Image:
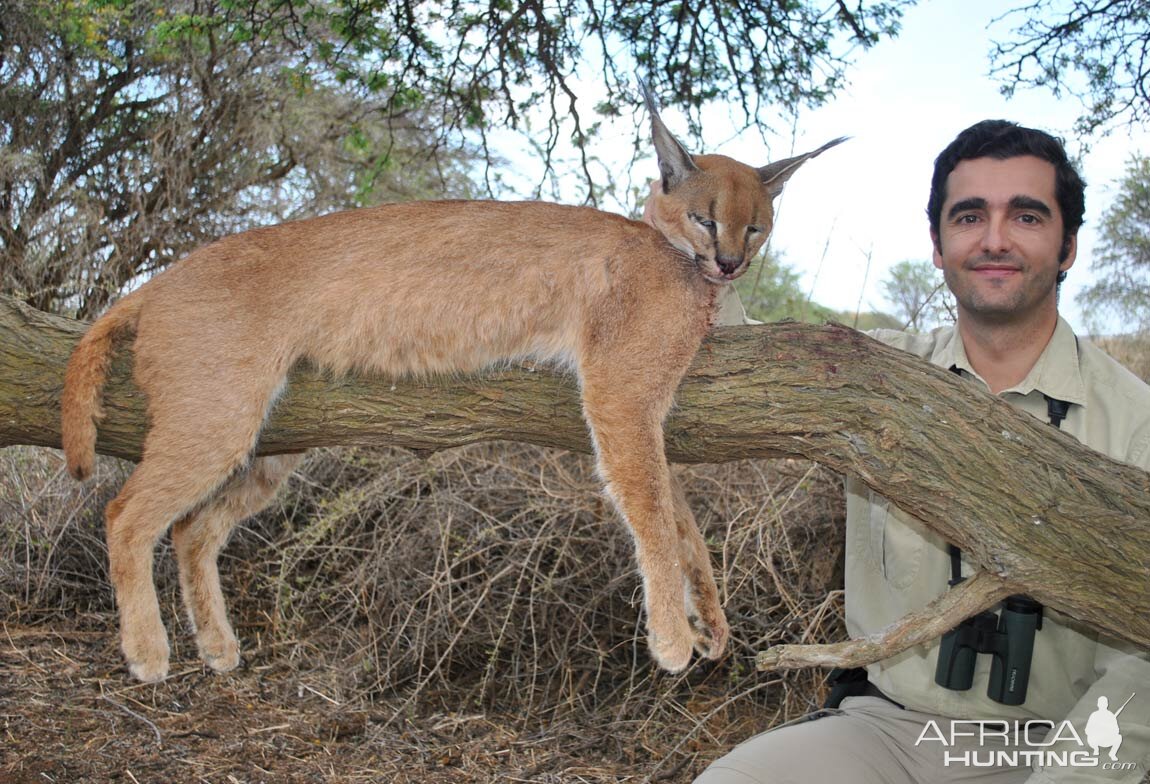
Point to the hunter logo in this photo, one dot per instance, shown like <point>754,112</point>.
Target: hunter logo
<point>1102,728</point>
<point>1036,742</point>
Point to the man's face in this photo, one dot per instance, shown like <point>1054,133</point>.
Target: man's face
<point>999,240</point>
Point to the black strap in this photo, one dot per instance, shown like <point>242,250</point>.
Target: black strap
<point>955,564</point>
<point>1056,410</point>
<point>851,683</point>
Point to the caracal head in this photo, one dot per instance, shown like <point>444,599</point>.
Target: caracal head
<point>713,208</point>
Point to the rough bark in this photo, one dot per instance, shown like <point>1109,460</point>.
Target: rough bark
<point>1028,503</point>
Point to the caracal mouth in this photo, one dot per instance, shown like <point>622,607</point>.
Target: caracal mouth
<point>713,274</point>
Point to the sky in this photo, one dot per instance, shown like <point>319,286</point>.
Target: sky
<point>848,216</point>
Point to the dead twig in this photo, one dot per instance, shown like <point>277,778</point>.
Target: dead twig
<point>968,598</point>
<point>137,716</point>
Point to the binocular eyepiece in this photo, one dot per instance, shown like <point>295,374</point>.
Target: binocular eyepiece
<point>1008,636</point>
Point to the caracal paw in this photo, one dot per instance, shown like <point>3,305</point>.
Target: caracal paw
<point>221,654</point>
<point>148,664</point>
<point>708,621</point>
<point>672,649</point>
<point>711,634</point>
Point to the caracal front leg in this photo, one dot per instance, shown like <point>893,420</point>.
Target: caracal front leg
<point>704,609</point>
<point>198,539</point>
<point>628,438</point>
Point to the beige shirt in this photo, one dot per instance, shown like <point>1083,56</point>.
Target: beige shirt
<point>895,565</point>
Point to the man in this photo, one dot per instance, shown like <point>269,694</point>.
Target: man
<point>1004,209</point>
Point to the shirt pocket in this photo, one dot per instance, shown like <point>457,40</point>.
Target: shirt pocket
<point>902,544</point>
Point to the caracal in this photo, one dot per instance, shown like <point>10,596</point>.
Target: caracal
<point>418,289</point>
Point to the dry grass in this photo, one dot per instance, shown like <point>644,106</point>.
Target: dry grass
<point>469,617</point>
<point>1133,351</point>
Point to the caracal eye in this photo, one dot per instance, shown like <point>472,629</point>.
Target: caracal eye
<point>706,223</point>
<point>754,230</point>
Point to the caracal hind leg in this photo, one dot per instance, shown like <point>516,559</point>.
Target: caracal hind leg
<point>197,441</point>
<point>161,490</point>
<point>704,609</point>
<point>628,439</point>
<point>198,539</point>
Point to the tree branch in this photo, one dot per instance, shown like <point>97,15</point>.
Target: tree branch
<point>968,598</point>
<point>1026,502</point>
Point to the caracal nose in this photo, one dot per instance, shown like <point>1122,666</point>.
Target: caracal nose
<point>727,264</point>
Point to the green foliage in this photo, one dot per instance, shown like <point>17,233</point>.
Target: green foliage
<point>132,132</point>
<point>1121,262</point>
<point>868,319</point>
<point>919,296</point>
<point>771,291</point>
<point>484,65</point>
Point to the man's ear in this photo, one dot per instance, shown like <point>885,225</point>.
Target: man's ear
<point>775,175</point>
<point>675,163</point>
<point>936,242</point>
<point>1070,253</point>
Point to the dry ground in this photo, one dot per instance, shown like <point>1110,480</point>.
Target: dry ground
<point>70,715</point>
<point>472,617</point>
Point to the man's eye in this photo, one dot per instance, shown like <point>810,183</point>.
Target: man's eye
<point>1029,219</point>
<point>968,218</point>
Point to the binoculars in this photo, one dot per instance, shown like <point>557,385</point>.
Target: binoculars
<point>1009,637</point>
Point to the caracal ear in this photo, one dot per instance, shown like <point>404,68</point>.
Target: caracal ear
<point>675,164</point>
<point>775,175</point>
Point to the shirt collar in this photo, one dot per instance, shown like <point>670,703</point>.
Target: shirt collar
<point>1056,374</point>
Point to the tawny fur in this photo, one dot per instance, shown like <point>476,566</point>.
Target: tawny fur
<point>420,288</point>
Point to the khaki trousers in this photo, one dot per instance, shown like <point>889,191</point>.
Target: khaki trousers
<point>869,741</point>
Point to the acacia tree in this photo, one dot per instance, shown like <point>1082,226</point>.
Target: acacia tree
<point>1095,50</point>
<point>133,132</point>
<point>1122,259</point>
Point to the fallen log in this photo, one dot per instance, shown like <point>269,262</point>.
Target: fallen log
<point>1041,513</point>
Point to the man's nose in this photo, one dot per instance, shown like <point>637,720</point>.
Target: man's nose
<point>996,237</point>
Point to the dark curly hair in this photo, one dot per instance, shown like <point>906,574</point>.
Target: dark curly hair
<point>1001,139</point>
